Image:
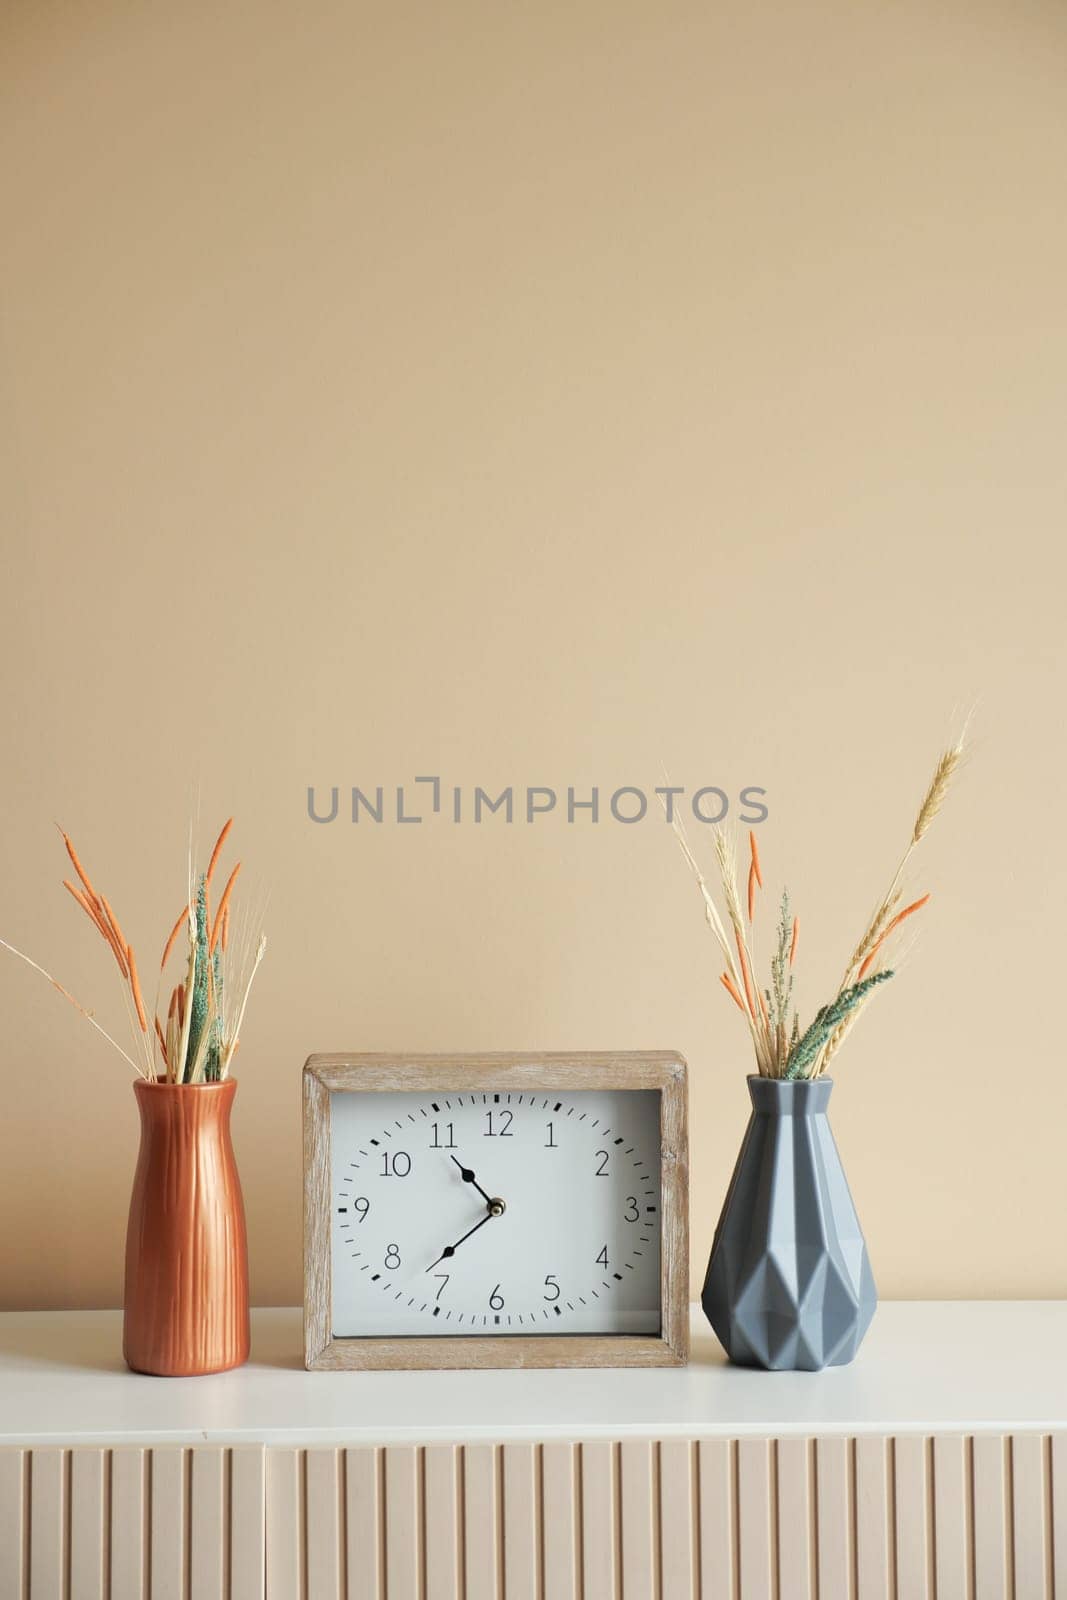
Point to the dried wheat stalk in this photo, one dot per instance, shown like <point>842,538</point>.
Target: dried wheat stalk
<point>197,1042</point>
<point>781,1048</point>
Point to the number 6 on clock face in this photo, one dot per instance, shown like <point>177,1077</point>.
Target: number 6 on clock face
<point>495,1211</point>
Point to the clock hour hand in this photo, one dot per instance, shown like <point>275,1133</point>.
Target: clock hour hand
<point>468,1177</point>
<point>450,1249</point>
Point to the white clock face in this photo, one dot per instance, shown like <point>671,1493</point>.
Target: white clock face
<point>493,1213</point>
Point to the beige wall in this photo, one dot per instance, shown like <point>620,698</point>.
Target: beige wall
<point>539,394</point>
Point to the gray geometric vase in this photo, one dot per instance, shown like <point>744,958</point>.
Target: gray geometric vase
<point>789,1283</point>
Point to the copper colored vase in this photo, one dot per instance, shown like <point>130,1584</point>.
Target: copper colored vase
<point>186,1250</point>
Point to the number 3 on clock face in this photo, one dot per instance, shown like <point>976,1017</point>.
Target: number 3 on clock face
<point>495,1212</point>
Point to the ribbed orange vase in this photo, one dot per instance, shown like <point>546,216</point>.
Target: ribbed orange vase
<point>186,1249</point>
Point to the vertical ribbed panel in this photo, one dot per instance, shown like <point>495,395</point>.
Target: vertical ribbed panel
<point>598,1524</point>
<point>755,1523</point>
<point>796,1542</point>
<point>403,1523</point>
<point>130,1470</point>
<point>364,1521</point>
<point>169,1510</point>
<point>952,1518</point>
<point>49,1523</point>
<point>638,1500</point>
<point>1029,1513</point>
<point>14,1519</point>
<point>130,1524</point>
<point>482,1555</point>
<point>913,1503</point>
<point>561,1520</point>
<point>991,1491</point>
<point>247,1544</point>
<point>873,1487</point>
<point>285,1530</point>
<point>208,1522</point>
<point>912,1517</point>
<point>323,1477</point>
<point>717,1503</point>
<point>834,1500</point>
<point>441,1504</point>
<point>521,1521</point>
<point>89,1524</point>
<point>679,1518</point>
<point>1058,1462</point>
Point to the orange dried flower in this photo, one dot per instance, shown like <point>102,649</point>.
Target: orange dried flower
<point>901,916</point>
<point>223,904</point>
<point>219,842</point>
<point>754,848</point>
<point>731,989</point>
<point>169,946</point>
<point>135,985</point>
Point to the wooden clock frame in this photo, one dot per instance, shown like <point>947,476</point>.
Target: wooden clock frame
<point>658,1070</point>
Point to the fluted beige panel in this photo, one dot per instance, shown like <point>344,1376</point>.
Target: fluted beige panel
<point>444,1542</point>
<point>638,1517</point>
<point>871,1517</point>
<point>952,1507</point>
<point>481,1550</point>
<point>403,1531</point>
<point>991,1513</point>
<point>91,1523</point>
<point>522,1521</point>
<point>678,1518</point>
<point>364,1519</point>
<point>89,1519</point>
<point>912,1517</point>
<point>755,1529</point>
<point>248,1487</point>
<point>14,1518</point>
<point>561,1520</point>
<point>833,1515</point>
<point>598,1521</point>
<point>324,1509</point>
<point>208,1522</point>
<point>285,1525</point>
<point>49,1526</point>
<point>796,1545</point>
<point>913,1503</point>
<point>88,1524</point>
<point>130,1468</point>
<point>169,1503</point>
<point>1029,1510</point>
<point>1059,1513</point>
<point>717,1502</point>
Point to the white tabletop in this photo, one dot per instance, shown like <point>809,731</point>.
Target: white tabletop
<point>945,1366</point>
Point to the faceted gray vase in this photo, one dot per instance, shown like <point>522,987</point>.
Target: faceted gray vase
<point>789,1282</point>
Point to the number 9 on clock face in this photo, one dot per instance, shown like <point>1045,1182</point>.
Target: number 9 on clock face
<point>481,1204</point>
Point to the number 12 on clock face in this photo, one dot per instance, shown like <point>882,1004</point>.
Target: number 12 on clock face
<point>495,1212</point>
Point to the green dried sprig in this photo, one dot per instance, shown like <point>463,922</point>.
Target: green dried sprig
<point>781,976</point>
<point>806,1050</point>
<point>198,1001</point>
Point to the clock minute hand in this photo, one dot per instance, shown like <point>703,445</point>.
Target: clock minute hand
<point>468,1177</point>
<point>450,1249</point>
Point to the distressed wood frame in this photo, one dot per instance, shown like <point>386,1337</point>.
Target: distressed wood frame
<point>658,1070</point>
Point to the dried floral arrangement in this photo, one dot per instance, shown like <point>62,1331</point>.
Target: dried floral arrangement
<point>783,1048</point>
<point>198,1038</point>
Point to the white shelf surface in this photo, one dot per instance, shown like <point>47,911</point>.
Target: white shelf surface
<point>927,1367</point>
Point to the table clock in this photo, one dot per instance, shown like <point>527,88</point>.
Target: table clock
<point>495,1210</point>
